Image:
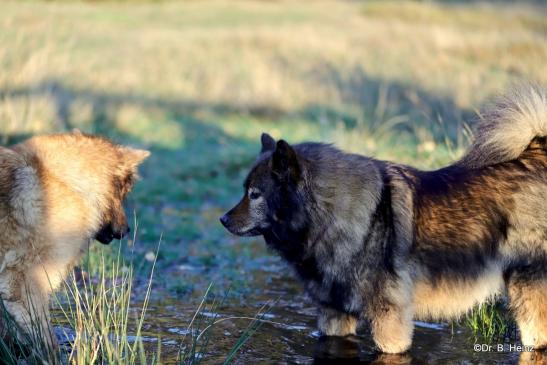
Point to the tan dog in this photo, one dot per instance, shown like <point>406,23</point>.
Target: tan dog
<point>57,193</point>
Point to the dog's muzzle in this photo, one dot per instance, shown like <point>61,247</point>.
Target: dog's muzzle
<point>106,234</point>
<point>228,224</point>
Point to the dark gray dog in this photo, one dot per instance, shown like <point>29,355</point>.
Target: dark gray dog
<point>389,243</point>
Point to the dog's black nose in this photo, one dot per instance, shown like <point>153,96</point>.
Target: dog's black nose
<point>121,233</point>
<point>224,220</point>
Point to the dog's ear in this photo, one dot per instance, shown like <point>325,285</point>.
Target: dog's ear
<point>268,143</point>
<point>133,157</point>
<point>285,162</point>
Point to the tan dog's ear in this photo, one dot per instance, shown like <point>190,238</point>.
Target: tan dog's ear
<point>133,157</point>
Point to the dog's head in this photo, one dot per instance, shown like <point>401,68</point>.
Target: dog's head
<point>272,191</point>
<point>97,175</point>
<point>86,180</point>
<point>122,176</point>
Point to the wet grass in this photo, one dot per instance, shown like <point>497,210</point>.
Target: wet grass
<point>194,346</point>
<point>197,82</point>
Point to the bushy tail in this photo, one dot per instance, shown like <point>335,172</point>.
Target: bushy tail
<point>507,127</point>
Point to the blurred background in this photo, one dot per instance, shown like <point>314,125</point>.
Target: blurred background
<point>197,82</point>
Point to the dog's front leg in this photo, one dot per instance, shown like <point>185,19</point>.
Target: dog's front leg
<point>28,308</point>
<point>334,323</point>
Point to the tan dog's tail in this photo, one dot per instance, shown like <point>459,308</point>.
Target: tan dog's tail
<point>507,127</point>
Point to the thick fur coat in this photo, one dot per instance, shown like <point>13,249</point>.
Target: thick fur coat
<point>57,193</point>
<point>389,243</point>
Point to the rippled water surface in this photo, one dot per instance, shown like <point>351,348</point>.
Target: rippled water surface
<point>289,335</point>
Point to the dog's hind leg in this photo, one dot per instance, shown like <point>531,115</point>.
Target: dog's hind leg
<point>390,315</point>
<point>334,323</point>
<point>392,328</point>
<point>527,288</point>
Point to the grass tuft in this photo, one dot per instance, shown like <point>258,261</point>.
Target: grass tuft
<point>491,321</point>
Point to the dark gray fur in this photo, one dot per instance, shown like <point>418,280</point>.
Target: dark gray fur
<point>386,242</point>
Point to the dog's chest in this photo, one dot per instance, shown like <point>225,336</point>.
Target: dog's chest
<point>336,293</point>
<point>325,275</point>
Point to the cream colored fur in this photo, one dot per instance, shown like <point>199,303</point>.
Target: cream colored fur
<point>508,125</point>
<point>54,192</point>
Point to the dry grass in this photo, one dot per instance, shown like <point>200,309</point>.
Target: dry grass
<point>258,56</point>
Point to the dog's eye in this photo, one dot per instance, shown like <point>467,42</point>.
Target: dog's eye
<point>254,195</point>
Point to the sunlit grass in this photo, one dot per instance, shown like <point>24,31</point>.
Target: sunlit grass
<point>100,320</point>
<point>99,311</point>
<point>101,323</point>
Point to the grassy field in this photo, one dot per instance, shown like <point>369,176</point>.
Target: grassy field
<point>197,82</point>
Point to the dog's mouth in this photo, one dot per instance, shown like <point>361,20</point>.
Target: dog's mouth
<point>242,232</point>
<point>106,234</point>
<point>245,232</point>
<point>249,233</point>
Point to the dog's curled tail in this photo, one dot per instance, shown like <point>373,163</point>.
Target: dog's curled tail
<point>507,127</point>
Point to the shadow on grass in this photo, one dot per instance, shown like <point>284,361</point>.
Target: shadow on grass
<point>361,97</point>
<point>196,169</point>
<point>378,100</point>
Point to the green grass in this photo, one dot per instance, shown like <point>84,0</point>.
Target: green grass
<point>491,322</point>
<point>198,82</point>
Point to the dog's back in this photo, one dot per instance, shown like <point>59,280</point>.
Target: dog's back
<point>20,207</point>
<point>493,196</point>
<point>478,214</point>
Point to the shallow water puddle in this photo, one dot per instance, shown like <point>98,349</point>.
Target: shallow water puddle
<point>287,333</point>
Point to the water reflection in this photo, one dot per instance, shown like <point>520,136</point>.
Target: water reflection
<point>357,350</point>
<point>354,350</point>
<point>337,348</point>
